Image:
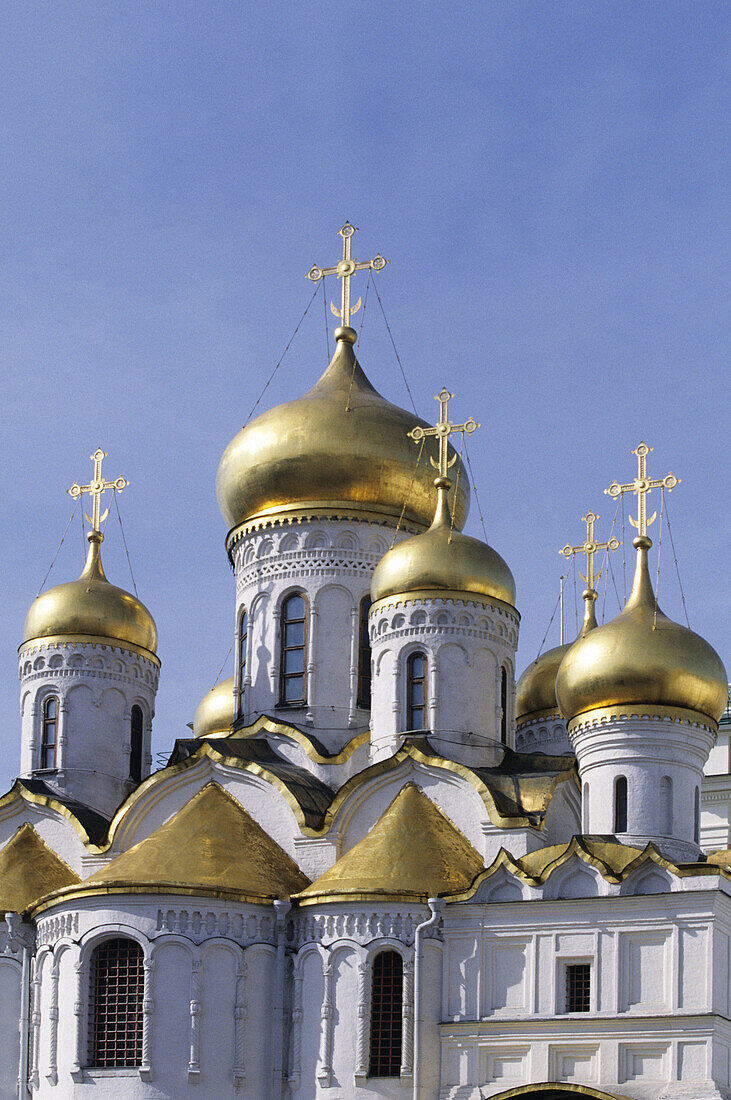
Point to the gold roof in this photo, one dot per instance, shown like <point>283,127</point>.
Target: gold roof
<point>29,869</point>
<point>212,844</point>
<point>642,658</point>
<point>340,446</point>
<point>443,559</point>
<point>413,851</point>
<point>91,607</point>
<point>535,692</point>
<point>215,712</point>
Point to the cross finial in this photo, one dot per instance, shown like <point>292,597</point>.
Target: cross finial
<point>590,547</point>
<point>345,271</point>
<point>96,487</point>
<point>442,430</point>
<point>642,486</point>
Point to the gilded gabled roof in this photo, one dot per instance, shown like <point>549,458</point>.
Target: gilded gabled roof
<point>211,844</point>
<point>413,851</point>
<point>29,869</point>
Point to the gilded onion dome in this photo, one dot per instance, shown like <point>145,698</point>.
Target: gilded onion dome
<point>642,658</point>
<point>535,692</point>
<point>443,560</point>
<point>91,609</point>
<point>215,712</point>
<point>339,447</point>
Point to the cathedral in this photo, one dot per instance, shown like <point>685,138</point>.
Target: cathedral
<point>378,866</point>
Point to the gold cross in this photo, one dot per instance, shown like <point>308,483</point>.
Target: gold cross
<point>96,487</point>
<point>642,485</point>
<point>442,431</point>
<point>590,547</point>
<point>345,270</point>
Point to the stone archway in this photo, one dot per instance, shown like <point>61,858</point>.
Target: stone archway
<point>553,1090</point>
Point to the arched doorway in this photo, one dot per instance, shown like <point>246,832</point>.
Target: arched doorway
<point>553,1090</point>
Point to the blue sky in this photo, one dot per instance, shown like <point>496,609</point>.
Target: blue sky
<point>548,181</point>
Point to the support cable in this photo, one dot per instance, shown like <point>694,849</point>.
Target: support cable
<point>675,559</point>
<point>58,549</point>
<point>225,659</point>
<point>474,485</point>
<point>357,342</point>
<point>408,492</point>
<point>550,624</point>
<point>456,489</point>
<point>624,549</point>
<point>124,541</point>
<point>659,549</point>
<point>281,357</point>
<point>393,345</point>
<point>327,328</point>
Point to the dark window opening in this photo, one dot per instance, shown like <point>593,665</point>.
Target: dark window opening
<point>620,804</point>
<point>503,706</point>
<point>578,987</point>
<point>364,656</point>
<point>697,816</point>
<point>135,750</point>
<point>243,644</point>
<point>294,648</point>
<point>115,1005</point>
<point>416,692</point>
<point>49,732</point>
<point>386,1010</point>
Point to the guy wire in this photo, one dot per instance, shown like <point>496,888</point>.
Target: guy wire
<point>675,559</point>
<point>327,330</point>
<point>58,549</point>
<point>281,357</point>
<point>659,548</point>
<point>474,484</point>
<point>124,540</point>
<point>393,345</point>
<point>408,492</point>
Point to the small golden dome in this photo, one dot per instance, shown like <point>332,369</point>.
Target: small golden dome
<point>340,446</point>
<point>443,559</point>
<point>535,692</point>
<point>642,658</point>
<point>215,712</point>
<point>91,607</point>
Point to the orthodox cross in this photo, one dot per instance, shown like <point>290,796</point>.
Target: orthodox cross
<point>345,270</point>
<point>442,431</point>
<point>590,547</point>
<point>96,487</point>
<point>642,486</point>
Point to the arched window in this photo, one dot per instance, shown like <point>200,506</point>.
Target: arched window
<point>135,744</point>
<point>503,706</point>
<point>697,816</point>
<point>666,806</point>
<point>620,804</point>
<point>416,692</point>
<point>294,650</point>
<point>364,656</point>
<point>243,646</point>
<point>49,731</point>
<point>115,1004</point>
<point>386,1012</point>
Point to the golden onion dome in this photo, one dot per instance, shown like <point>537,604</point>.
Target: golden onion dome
<point>642,658</point>
<point>341,446</point>
<point>215,712</point>
<point>535,692</point>
<point>91,608</point>
<point>442,559</point>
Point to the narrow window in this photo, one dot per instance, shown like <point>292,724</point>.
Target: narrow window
<point>292,688</point>
<point>115,1004</point>
<point>585,807</point>
<point>364,656</point>
<point>620,804</point>
<point>666,806</point>
<point>503,706</point>
<point>135,744</point>
<point>243,646</point>
<point>416,692</point>
<point>697,816</point>
<point>578,987</point>
<point>386,1010</point>
<point>48,732</point>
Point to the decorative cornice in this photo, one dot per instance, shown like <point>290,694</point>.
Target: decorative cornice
<point>57,641</point>
<point>625,711</point>
<point>447,596</point>
<point>339,512</point>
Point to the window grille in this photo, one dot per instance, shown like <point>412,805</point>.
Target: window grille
<point>364,656</point>
<point>135,744</point>
<point>416,692</point>
<point>503,706</point>
<point>620,804</point>
<point>115,1005</point>
<point>294,646</point>
<point>386,1010</point>
<point>578,987</point>
<point>243,645</point>
<point>48,732</point>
